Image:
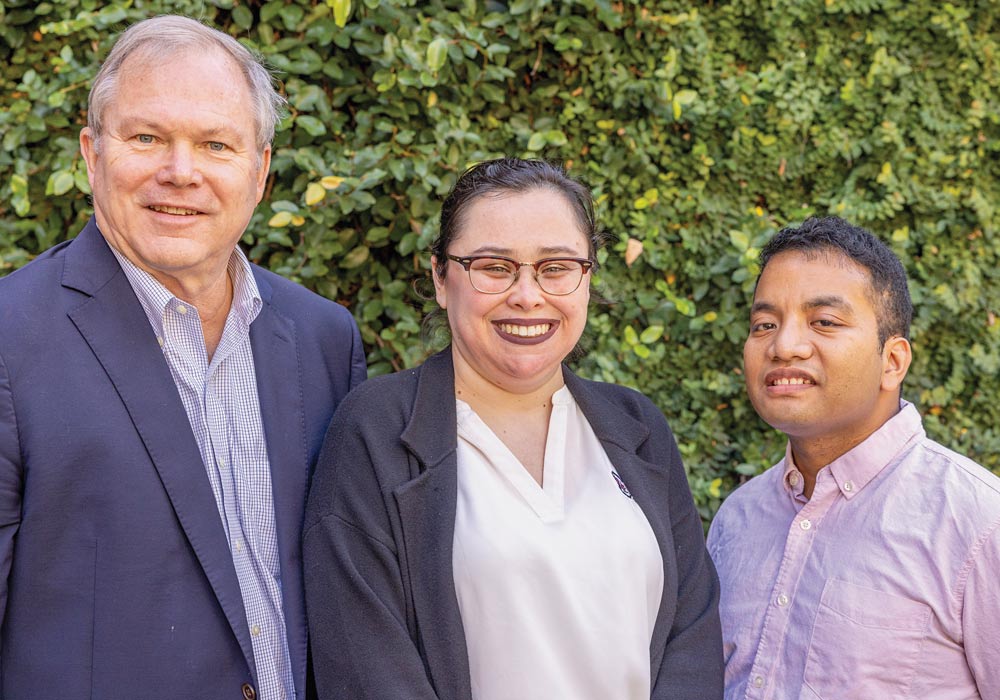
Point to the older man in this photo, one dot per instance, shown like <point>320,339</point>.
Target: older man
<point>162,401</point>
<point>864,564</point>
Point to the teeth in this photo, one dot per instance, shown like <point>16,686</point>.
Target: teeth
<point>525,331</point>
<point>790,382</point>
<point>174,210</point>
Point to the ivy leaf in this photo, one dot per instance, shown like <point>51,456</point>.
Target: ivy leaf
<point>536,142</point>
<point>739,239</point>
<point>312,125</point>
<point>280,220</point>
<point>60,183</point>
<point>355,258</point>
<point>651,334</point>
<point>315,193</point>
<point>341,11</point>
<point>437,54</point>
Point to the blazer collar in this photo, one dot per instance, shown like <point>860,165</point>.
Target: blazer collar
<point>89,263</point>
<point>608,421</point>
<point>434,414</point>
<point>431,432</point>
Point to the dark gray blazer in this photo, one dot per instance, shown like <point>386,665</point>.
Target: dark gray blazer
<point>383,614</point>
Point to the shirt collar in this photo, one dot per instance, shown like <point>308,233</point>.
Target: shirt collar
<point>155,298</point>
<point>854,469</point>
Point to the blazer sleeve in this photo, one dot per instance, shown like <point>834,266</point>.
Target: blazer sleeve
<point>11,483</point>
<point>692,667</point>
<point>355,593</point>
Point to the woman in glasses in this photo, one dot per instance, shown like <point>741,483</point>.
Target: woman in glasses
<point>490,525</point>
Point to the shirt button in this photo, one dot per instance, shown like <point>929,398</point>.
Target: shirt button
<point>805,524</point>
<point>159,339</point>
<point>782,600</point>
<point>758,681</point>
<point>255,630</point>
<point>181,309</point>
<point>793,479</point>
<point>239,545</point>
<point>848,486</point>
<point>248,692</point>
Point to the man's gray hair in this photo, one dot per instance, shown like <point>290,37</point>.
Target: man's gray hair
<point>159,37</point>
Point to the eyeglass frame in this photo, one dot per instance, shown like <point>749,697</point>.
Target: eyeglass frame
<point>466,262</point>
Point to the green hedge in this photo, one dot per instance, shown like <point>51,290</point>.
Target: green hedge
<point>702,127</point>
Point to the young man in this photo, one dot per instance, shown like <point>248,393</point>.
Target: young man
<point>864,564</point>
<point>163,401</point>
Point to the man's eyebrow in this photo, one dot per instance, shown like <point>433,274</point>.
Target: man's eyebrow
<point>130,123</point>
<point>832,300</point>
<point>138,123</point>
<point>762,307</point>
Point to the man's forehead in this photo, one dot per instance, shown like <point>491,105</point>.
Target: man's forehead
<point>813,290</point>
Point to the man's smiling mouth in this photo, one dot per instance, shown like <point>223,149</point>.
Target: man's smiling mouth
<point>177,211</point>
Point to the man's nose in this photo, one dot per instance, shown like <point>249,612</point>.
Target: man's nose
<point>791,341</point>
<point>180,167</point>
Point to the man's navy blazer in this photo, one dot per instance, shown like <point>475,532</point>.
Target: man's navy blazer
<point>116,579</point>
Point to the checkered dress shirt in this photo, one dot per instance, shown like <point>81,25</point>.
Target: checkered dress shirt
<point>220,398</point>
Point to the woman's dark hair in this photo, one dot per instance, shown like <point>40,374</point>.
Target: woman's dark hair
<point>505,176</point>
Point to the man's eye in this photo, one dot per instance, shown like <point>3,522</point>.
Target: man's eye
<point>216,146</point>
<point>144,138</point>
<point>762,326</point>
<point>826,323</point>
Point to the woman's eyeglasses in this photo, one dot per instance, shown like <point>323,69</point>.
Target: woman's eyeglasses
<point>493,274</point>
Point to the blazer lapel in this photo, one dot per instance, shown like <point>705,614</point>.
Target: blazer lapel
<point>427,513</point>
<point>622,436</point>
<point>275,352</point>
<point>114,325</point>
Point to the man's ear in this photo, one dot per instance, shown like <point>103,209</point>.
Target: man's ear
<point>88,149</point>
<point>265,166</point>
<point>896,358</point>
<point>440,293</point>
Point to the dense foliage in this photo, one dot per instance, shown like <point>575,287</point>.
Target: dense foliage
<point>703,128</point>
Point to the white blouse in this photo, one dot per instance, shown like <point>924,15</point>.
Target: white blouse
<point>558,585</point>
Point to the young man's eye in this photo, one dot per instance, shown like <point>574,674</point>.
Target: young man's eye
<point>762,326</point>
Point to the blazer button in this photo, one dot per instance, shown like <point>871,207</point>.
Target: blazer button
<point>248,692</point>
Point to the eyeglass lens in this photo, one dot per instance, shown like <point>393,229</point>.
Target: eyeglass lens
<point>554,276</point>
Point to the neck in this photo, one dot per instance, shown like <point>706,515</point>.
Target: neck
<point>213,301</point>
<point>487,397</point>
<point>814,452</point>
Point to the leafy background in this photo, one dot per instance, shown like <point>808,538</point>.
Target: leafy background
<point>703,128</point>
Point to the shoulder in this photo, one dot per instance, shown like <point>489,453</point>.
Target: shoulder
<point>615,397</point>
<point>379,403</point>
<point>965,488</point>
<point>753,499</point>
<point>294,300</point>
<point>44,270</point>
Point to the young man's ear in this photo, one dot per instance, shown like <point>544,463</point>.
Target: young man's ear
<point>896,358</point>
